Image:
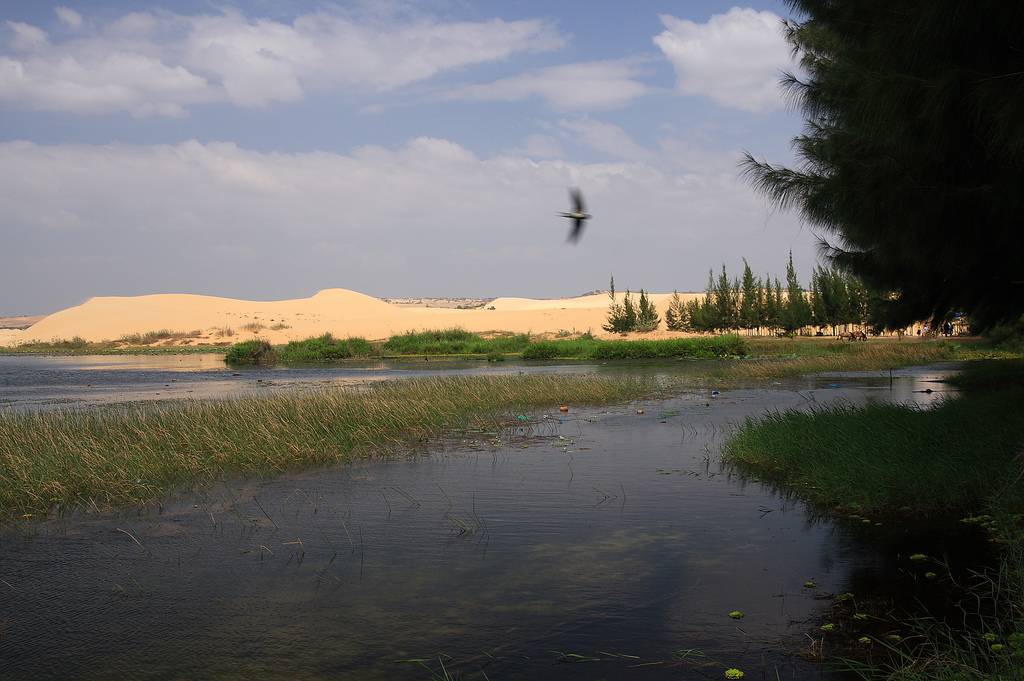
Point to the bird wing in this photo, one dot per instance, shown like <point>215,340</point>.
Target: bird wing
<point>577,201</point>
<point>577,230</point>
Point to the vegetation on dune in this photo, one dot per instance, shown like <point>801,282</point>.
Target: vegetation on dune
<point>912,151</point>
<point>143,451</point>
<point>626,316</point>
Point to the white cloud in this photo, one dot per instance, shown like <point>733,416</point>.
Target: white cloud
<point>68,16</point>
<point>539,146</point>
<point>735,59</point>
<point>428,215</point>
<point>161,63</point>
<point>604,137</point>
<point>584,85</point>
<point>26,37</point>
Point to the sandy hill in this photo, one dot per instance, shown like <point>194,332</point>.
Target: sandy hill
<point>338,311</point>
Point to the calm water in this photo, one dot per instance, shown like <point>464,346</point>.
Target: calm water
<point>596,545</point>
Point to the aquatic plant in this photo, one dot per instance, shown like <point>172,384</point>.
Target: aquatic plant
<point>143,451</point>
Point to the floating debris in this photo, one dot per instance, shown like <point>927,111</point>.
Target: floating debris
<point>736,615</point>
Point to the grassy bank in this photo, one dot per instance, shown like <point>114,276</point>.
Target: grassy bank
<point>705,347</point>
<point>80,346</point>
<point>961,459</point>
<point>143,452</point>
<point>956,457</point>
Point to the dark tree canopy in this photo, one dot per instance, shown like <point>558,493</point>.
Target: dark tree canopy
<point>912,156</point>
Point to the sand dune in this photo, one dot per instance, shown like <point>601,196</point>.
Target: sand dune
<point>338,311</point>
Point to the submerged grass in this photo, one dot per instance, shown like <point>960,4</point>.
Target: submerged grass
<point>143,452</point>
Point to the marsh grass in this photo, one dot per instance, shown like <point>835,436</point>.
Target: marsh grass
<point>142,452</point>
<point>777,358</point>
<point>454,341</point>
<point>880,457</point>
<point>325,348</point>
<point>705,347</point>
<point>961,458</point>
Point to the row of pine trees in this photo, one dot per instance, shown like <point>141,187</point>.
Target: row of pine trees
<point>753,304</point>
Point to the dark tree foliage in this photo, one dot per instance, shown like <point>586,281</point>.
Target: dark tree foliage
<point>912,157</point>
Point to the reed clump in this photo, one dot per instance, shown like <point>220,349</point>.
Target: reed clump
<point>587,347</point>
<point>143,452</point>
<point>454,341</point>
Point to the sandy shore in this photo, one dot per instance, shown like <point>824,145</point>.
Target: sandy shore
<point>338,311</point>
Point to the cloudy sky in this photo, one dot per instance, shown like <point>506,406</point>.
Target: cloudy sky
<point>269,150</point>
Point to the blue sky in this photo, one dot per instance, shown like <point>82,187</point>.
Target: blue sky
<point>269,150</point>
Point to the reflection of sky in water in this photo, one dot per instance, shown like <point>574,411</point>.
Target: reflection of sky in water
<point>622,543</point>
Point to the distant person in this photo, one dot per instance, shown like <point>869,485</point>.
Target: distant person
<point>947,329</point>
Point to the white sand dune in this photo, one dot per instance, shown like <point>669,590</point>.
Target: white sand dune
<point>338,311</point>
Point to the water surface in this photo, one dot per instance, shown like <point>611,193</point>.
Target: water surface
<point>602,544</point>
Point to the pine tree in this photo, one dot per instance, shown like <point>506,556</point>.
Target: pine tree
<point>724,306</point>
<point>778,306</point>
<point>675,315</point>
<point>797,313</point>
<point>647,318</point>
<point>616,313</point>
<point>709,310</point>
<point>750,299</point>
<point>695,316</point>
<point>628,314</point>
<point>911,157</point>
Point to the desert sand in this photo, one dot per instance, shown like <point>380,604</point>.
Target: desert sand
<point>340,312</point>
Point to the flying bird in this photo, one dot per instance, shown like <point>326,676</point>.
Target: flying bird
<point>578,215</point>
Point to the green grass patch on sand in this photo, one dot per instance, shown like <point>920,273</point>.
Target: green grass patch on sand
<point>142,452</point>
<point>963,458</point>
<point>702,347</point>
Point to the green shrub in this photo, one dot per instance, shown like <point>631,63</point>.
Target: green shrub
<point>453,342</point>
<point>325,348</point>
<point>251,352</point>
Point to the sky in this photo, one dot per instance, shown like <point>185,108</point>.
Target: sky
<point>268,150</point>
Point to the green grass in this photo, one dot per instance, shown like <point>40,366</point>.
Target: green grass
<point>708,347</point>
<point>325,348</point>
<point>80,346</point>
<point>961,458</point>
<point>880,457</point>
<point>251,352</point>
<point>143,452</point>
<point>453,342</point>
